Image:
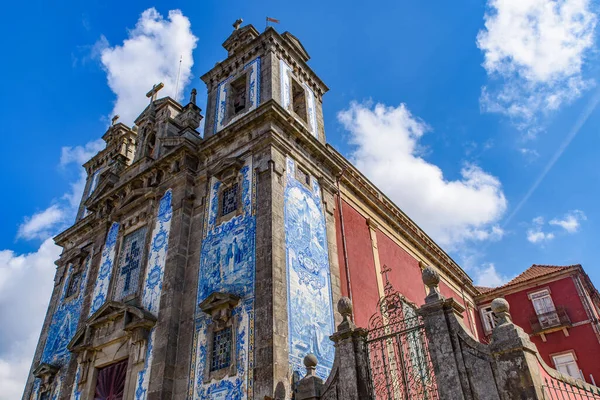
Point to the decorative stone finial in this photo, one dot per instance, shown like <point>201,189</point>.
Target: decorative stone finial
<point>344,307</point>
<point>501,310</point>
<point>237,23</point>
<point>114,119</point>
<point>431,279</point>
<point>134,128</point>
<point>193,96</point>
<point>310,362</point>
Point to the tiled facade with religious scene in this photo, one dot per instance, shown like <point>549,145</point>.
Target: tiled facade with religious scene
<point>206,265</point>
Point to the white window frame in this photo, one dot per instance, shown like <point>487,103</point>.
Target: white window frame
<point>488,319</point>
<point>544,308</point>
<point>563,367</point>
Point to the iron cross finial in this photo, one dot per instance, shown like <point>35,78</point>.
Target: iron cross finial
<point>237,23</point>
<point>114,119</point>
<point>154,91</point>
<point>385,272</point>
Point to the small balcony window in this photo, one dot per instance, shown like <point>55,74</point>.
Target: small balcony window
<point>548,317</point>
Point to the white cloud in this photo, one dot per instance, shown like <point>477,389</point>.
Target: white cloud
<point>26,282</point>
<point>488,276</point>
<point>148,56</point>
<point>80,154</point>
<point>39,225</point>
<point>571,221</point>
<point>537,236</point>
<point>387,151</point>
<point>535,233</point>
<point>534,51</point>
<point>43,224</point>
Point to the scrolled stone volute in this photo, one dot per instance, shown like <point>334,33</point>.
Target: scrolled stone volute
<point>431,279</point>
<point>501,310</point>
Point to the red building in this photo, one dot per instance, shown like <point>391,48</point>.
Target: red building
<point>559,307</point>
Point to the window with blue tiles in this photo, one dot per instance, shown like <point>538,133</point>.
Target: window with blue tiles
<point>221,349</point>
<point>229,199</point>
<point>130,262</point>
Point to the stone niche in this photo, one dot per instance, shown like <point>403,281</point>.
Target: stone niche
<point>114,333</point>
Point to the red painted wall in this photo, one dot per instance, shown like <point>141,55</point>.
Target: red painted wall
<point>405,274</point>
<point>448,292</point>
<point>360,263</point>
<point>582,339</point>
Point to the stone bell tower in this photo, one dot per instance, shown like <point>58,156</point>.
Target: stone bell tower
<point>202,266</point>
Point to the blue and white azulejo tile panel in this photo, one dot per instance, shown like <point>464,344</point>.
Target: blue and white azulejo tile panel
<point>65,319</point>
<point>105,271</point>
<point>253,95</point>
<point>64,325</point>
<point>310,310</point>
<point>285,73</point>
<point>227,265</point>
<point>153,283</point>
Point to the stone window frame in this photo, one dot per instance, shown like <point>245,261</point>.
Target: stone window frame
<point>226,185</point>
<point>219,306</point>
<point>296,81</point>
<point>229,115</point>
<point>132,297</point>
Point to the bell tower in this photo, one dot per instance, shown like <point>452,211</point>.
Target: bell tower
<point>268,250</point>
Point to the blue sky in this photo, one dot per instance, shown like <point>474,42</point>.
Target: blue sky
<point>454,111</point>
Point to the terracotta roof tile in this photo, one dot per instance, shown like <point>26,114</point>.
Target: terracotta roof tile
<point>535,271</point>
<point>484,289</point>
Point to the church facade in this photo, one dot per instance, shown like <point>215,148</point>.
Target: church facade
<point>206,265</point>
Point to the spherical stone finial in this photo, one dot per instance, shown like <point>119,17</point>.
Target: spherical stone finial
<point>134,128</point>
<point>310,361</point>
<point>500,305</point>
<point>344,306</point>
<point>430,276</point>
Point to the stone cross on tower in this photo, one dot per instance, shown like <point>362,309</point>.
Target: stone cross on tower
<point>132,261</point>
<point>114,119</point>
<point>154,91</point>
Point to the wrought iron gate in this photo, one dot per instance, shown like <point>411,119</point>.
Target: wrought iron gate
<point>400,365</point>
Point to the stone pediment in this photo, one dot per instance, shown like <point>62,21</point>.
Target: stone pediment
<point>152,109</point>
<point>107,181</point>
<point>295,43</point>
<point>239,38</point>
<point>112,321</point>
<point>219,306</point>
<point>227,169</point>
<point>45,370</point>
